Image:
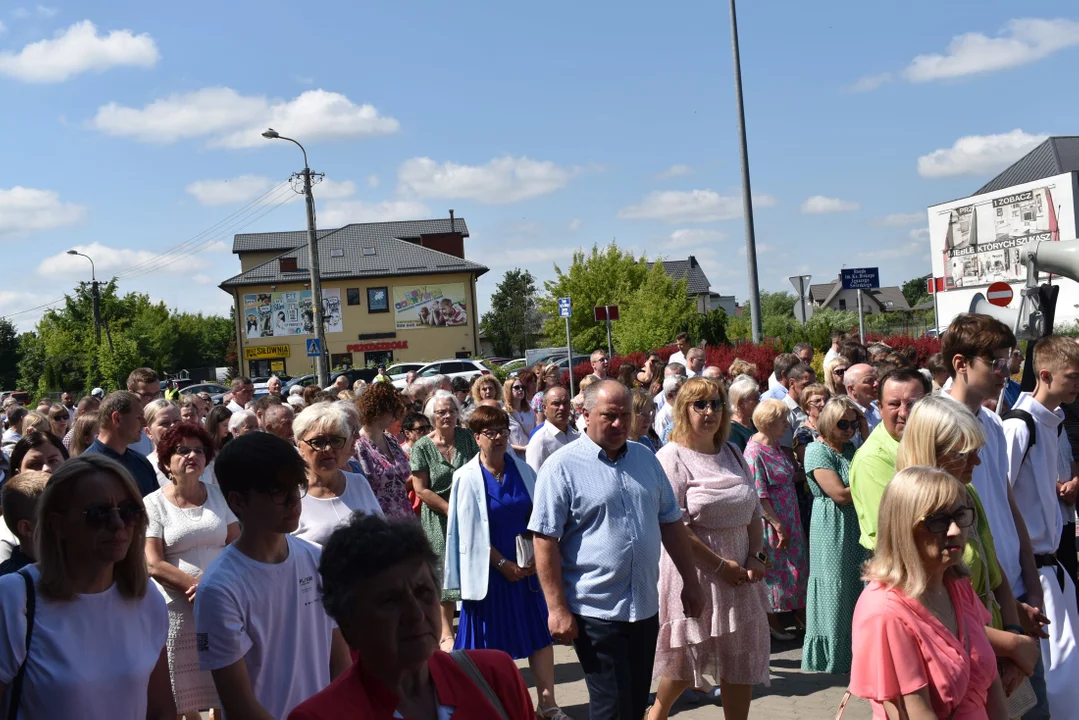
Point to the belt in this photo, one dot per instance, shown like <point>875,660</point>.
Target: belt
<point>1050,560</point>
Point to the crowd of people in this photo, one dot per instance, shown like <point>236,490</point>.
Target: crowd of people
<point>364,551</point>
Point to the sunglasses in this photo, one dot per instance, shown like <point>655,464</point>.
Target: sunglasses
<point>327,441</point>
<point>839,371</point>
<point>701,405</point>
<point>98,517</point>
<point>939,523</point>
<point>495,433</point>
<point>419,428</point>
<point>515,388</point>
<point>961,456</point>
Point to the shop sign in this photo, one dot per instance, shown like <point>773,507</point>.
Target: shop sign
<point>378,346</point>
<point>258,352</point>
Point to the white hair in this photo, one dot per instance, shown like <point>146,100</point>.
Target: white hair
<point>239,419</point>
<point>671,383</point>
<point>712,371</point>
<point>742,387</point>
<point>328,415</point>
<point>429,408</point>
<point>295,390</point>
<point>296,402</point>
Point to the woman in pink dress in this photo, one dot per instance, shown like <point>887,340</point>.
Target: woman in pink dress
<point>919,628</point>
<point>772,471</point>
<point>729,640</point>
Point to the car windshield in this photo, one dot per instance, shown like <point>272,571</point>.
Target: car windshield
<point>430,370</point>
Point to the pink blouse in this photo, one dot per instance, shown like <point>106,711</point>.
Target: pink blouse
<point>900,648</point>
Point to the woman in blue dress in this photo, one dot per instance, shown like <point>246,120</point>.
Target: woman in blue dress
<point>502,604</point>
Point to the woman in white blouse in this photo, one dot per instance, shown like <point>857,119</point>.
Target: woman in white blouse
<point>322,436</point>
<point>190,524</point>
<point>522,419</point>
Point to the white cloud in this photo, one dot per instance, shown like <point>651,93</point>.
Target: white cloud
<point>688,238</point>
<point>868,83</point>
<point>108,259</point>
<point>919,234</point>
<point>900,219</point>
<point>45,12</point>
<point>894,253</point>
<point>334,189</point>
<point>338,213</point>
<point>575,224</point>
<point>978,154</point>
<point>240,189</point>
<point>76,50</point>
<point>219,113</point>
<point>1022,41</point>
<point>674,171</point>
<point>24,210</point>
<point>503,180</point>
<point>373,181</point>
<point>693,206</point>
<point>820,205</point>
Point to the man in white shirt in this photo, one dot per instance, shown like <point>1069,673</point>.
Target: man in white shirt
<point>242,392</point>
<point>665,417</point>
<point>799,377</point>
<point>863,388</point>
<point>672,370</point>
<point>600,364</point>
<point>555,431</point>
<point>260,626</point>
<point>694,362</point>
<point>780,367</point>
<point>146,386</point>
<point>833,351</point>
<point>681,341</point>
<point>1032,460</point>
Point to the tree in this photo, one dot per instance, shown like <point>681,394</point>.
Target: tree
<point>914,290</point>
<point>777,304</point>
<point>9,355</point>
<point>653,313</point>
<point>513,320</point>
<point>709,327</point>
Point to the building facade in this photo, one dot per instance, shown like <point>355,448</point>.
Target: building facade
<point>391,292</point>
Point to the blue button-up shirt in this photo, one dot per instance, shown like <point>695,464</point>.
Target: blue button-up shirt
<point>606,516</point>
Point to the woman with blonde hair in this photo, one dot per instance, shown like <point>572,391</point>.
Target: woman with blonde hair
<point>86,427</point>
<point>644,413</point>
<point>741,367</point>
<point>549,377</point>
<point>36,421</point>
<point>918,629</point>
<point>812,401</point>
<point>833,375</point>
<point>728,641</point>
<point>59,420</point>
<point>744,396</point>
<point>835,557</point>
<point>784,539</point>
<point>485,387</point>
<point>90,603</point>
<point>522,419</point>
<point>160,415</point>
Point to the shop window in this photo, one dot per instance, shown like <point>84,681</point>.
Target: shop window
<point>381,357</point>
<point>378,300</point>
<point>353,295</point>
<point>341,361</point>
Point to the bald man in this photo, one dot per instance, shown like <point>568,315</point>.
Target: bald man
<point>863,388</point>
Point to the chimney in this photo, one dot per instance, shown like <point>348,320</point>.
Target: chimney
<point>692,261</point>
<point>452,229</point>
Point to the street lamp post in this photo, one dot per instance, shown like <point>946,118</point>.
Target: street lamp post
<point>321,365</point>
<point>95,293</point>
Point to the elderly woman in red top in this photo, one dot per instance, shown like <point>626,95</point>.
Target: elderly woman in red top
<point>380,584</point>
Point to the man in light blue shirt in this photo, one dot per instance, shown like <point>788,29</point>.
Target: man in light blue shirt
<point>781,365</point>
<point>602,508</point>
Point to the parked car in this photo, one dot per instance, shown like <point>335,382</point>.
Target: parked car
<point>559,361</point>
<point>22,396</point>
<point>212,388</point>
<point>512,367</point>
<point>451,368</point>
<point>398,371</point>
<point>260,382</point>
<point>353,374</point>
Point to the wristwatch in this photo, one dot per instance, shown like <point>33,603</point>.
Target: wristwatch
<point>500,564</point>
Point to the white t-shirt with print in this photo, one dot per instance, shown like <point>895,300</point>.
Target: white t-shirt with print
<point>90,658</point>
<point>270,615</point>
<point>319,517</point>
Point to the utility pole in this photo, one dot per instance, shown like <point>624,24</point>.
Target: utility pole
<point>95,294</point>
<point>747,193</point>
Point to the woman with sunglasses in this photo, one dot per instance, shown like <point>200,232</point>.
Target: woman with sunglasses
<point>322,432</point>
<point>835,557</point>
<point>380,458</point>
<point>414,426</point>
<point>834,370</point>
<point>729,640</point>
<point>189,525</point>
<point>919,627</point>
<point>522,419</point>
<point>502,606</point>
<point>59,421</point>
<point>98,644</point>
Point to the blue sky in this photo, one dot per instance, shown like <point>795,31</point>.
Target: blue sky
<point>132,127</point>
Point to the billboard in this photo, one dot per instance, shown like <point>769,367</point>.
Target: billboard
<point>281,314</point>
<point>420,306</point>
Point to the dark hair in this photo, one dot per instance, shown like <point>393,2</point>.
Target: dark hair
<point>681,336</point>
<point>325,396</point>
<point>854,352</point>
<point>783,363</point>
<point>526,376</point>
<point>627,374</point>
<point>377,400</point>
<point>172,438</point>
<point>972,335</point>
<point>800,371</point>
<point>266,401</point>
<point>837,334</point>
<point>935,363</point>
<point>413,419</point>
<point>309,394</point>
<point>260,462</point>
<point>239,382</point>
<point>459,384</point>
<point>361,549</point>
<point>31,441</point>
<point>86,404</point>
<point>218,414</point>
<point>122,402</point>
<point>141,375</point>
<point>485,417</point>
<point>16,415</point>
<point>904,375</point>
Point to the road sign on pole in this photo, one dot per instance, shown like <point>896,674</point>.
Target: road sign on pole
<point>314,347</point>
<point>565,307</point>
<point>999,294</point>
<point>606,313</point>
<point>860,279</point>
<point>802,311</point>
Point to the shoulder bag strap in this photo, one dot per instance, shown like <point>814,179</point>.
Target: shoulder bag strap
<point>16,684</point>
<point>469,667</point>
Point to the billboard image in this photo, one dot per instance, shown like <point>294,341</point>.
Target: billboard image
<point>421,306</point>
<point>289,313</point>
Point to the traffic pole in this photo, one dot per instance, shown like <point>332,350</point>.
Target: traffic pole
<point>610,347</point>
<point>861,319</point>
<point>321,365</point>
<point>569,360</point>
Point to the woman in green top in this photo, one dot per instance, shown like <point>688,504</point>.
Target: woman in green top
<point>835,557</point>
<point>434,459</point>
<point>743,396</point>
<point>943,433</point>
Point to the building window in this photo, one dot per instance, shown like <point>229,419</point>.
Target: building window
<point>353,295</point>
<point>374,359</point>
<point>842,304</point>
<point>378,300</point>
<point>341,361</point>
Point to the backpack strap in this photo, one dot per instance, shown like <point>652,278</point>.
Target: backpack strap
<point>476,676</point>
<point>15,691</point>
<point>1032,427</point>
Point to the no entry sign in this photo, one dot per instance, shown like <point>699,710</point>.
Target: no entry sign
<point>999,293</point>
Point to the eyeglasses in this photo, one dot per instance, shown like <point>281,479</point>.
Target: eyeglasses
<point>495,433</point>
<point>144,396</point>
<point>846,424</point>
<point>516,388</point>
<point>59,418</point>
<point>326,441</point>
<point>999,365</point>
<point>701,405</point>
<point>601,360</point>
<point>940,522</point>
<point>288,497</point>
<point>99,516</point>
<point>839,371</point>
<point>961,456</point>
<point>419,429</point>
<point>185,451</point>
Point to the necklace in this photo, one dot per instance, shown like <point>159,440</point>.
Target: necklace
<point>497,475</point>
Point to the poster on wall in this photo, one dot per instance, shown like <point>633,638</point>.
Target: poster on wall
<point>289,313</point>
<point>983,240</point>
<point>430,306</point>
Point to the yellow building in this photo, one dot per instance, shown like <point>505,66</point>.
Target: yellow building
<point>391,292</point>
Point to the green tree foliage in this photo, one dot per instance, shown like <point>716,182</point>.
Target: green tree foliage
<point>653,313</point>
<point>62,354</point>
<point>710,327</point>
<point>602,277</point>
<point>513,320</point>
<point>777,304</point>
<point>9,355</point>
<point>914,290</point>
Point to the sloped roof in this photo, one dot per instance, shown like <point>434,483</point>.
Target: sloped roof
<point>819,293</point>
<point>1055,156</point>
<point>696,281</point>
<point>893,295</point>
<point>355,252</point>
<point>404,229</point>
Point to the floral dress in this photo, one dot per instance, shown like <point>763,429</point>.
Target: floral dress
<point>773,474</point>
<point>388,475</point>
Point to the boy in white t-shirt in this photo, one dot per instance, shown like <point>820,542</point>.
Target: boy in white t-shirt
<point>1034,467</point>
<point>260,626</point>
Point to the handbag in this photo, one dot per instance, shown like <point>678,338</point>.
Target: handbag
<point>16,683</point>
<point>465,663</point>
<point>526,552</point>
